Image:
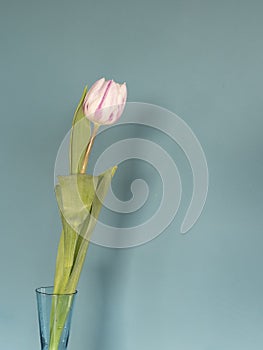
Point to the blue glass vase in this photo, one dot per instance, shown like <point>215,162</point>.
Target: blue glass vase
<point>54,316</point>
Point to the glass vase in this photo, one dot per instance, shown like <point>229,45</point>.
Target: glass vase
<point>54,316</point>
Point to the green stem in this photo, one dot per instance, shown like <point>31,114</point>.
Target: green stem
<point>61,305</point>
<point>88,149</point>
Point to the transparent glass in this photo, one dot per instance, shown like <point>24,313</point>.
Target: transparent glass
<point>54,316</point>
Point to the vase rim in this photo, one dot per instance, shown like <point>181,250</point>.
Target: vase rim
<point>43,290</point>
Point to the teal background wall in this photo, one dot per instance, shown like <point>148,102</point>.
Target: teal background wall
<point>200,59</point>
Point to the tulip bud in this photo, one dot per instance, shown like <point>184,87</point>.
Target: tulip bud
<point>105,101</point>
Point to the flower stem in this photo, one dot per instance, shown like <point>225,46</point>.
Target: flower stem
<point>88,149</point>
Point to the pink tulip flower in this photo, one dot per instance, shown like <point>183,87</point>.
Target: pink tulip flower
<point>105,102</point>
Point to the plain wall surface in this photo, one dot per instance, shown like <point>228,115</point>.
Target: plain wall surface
<point>203,61</point>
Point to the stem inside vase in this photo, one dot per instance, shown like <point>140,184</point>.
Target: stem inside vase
<point>54,315</point>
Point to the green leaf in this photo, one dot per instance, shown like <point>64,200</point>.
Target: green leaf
<point>59,265</point>
<point>80,135</point>
<point>80,199</point>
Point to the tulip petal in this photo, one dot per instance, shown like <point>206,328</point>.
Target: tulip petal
<point>106,93</point>
<point>95,87</point>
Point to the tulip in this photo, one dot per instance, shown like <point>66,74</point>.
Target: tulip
<point>105,102</point>
<point>103,105</point>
